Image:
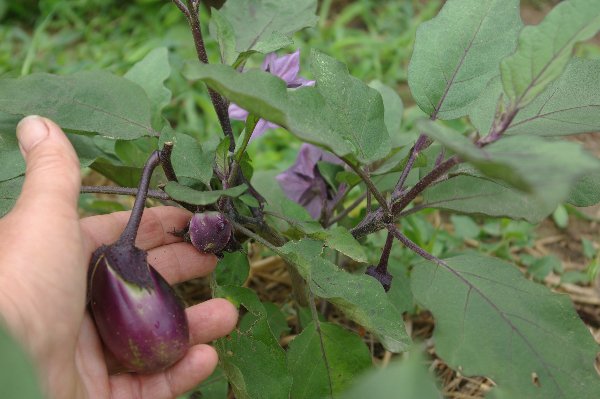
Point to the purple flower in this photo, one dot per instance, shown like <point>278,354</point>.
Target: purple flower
<point>303,183</point>
<point>286,68</point>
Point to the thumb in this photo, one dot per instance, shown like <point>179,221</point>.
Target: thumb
<point>52,176</point>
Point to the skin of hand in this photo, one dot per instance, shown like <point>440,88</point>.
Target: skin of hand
<point>44,254</point>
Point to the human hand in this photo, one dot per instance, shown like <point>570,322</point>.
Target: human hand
<point>44,255</point>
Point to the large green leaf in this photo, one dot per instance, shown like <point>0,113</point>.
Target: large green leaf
<point>476,195</point>
<point>251,357</point>
<point>570,105</point>
<point>93,102</point>
<point>341,113</point>
<point>324,374</point>
<point>150,74</point>
<point>18,377</point>
<point>458,52</point>
<point>492,321</point>
<point>545,49</point>
<point>360,297</point>
<point>9,192</point>
<point>183,193</point>
<point>401,379</point>
<point>546,169</point>
<point>261,25</point>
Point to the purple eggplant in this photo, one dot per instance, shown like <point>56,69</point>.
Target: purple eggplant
<point>140,319</point>
<point>210,232</point>
<point>138,315</point>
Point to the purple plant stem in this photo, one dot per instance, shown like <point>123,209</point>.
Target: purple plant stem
<point>421,143</point>
<point>158,194</point>
<point>499,128</point>
<point>130,232</point>
<point>429,178</point>
<point>347,210</point>
<point>378,220</point>
<point>385,255</point>
<point>219,103</point>
<point>410,244</point>
<point>165,161</point>
<point>370,185</point>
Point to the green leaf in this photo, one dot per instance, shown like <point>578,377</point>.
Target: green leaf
<point>190,160</point>
<point>92,102</point>
<point>214,387</point>
<point>458,52</point>
<point>545,49</point>
<point>13,164</point>
<point>392,104</point>
<point>314,377</point>
<point>348,121</point>
<point>491,321</point>
<point>186,194</point>
<point>400,294</point>
<point>222,31</point>
<point>18,377</point>
<point>586,191</point>
<point>262,25</point>
<point>531,164</point>
<point>359,108</point>
<point>150,74</point>
<point>405,379</point>
<point>476,195</point>
<point>232,269</point>
<point>251,357</point>
<point>340,239</point>
<point>360,297</point>
<point>570,105</point>
<point>86,148</point>
<point>9,192</point>
<point>277,319</point>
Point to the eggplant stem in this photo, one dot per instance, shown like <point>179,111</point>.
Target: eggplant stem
<point>130,232</point>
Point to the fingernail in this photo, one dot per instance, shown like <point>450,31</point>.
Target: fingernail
<point>31,130</point>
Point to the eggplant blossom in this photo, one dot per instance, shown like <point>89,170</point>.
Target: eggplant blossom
<point>286,68</point>
<point>304,184</point>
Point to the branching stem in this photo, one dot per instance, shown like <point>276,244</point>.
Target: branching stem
<point>370,185</point>
<point>157,194</point>
<point>421,143</point>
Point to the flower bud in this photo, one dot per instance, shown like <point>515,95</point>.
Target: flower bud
<point>138,315</point>
<point>210,231</point>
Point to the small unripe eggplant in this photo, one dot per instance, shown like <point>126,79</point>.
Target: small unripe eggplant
<point>138,315</point>
<point>210,232</point>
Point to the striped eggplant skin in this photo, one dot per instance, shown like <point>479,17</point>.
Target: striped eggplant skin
<point>141,321</point>
<point>210,232</point>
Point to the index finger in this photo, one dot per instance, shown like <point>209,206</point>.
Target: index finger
<point>155,228</point>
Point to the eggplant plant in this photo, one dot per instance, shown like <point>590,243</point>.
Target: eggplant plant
<point>494,100</point>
